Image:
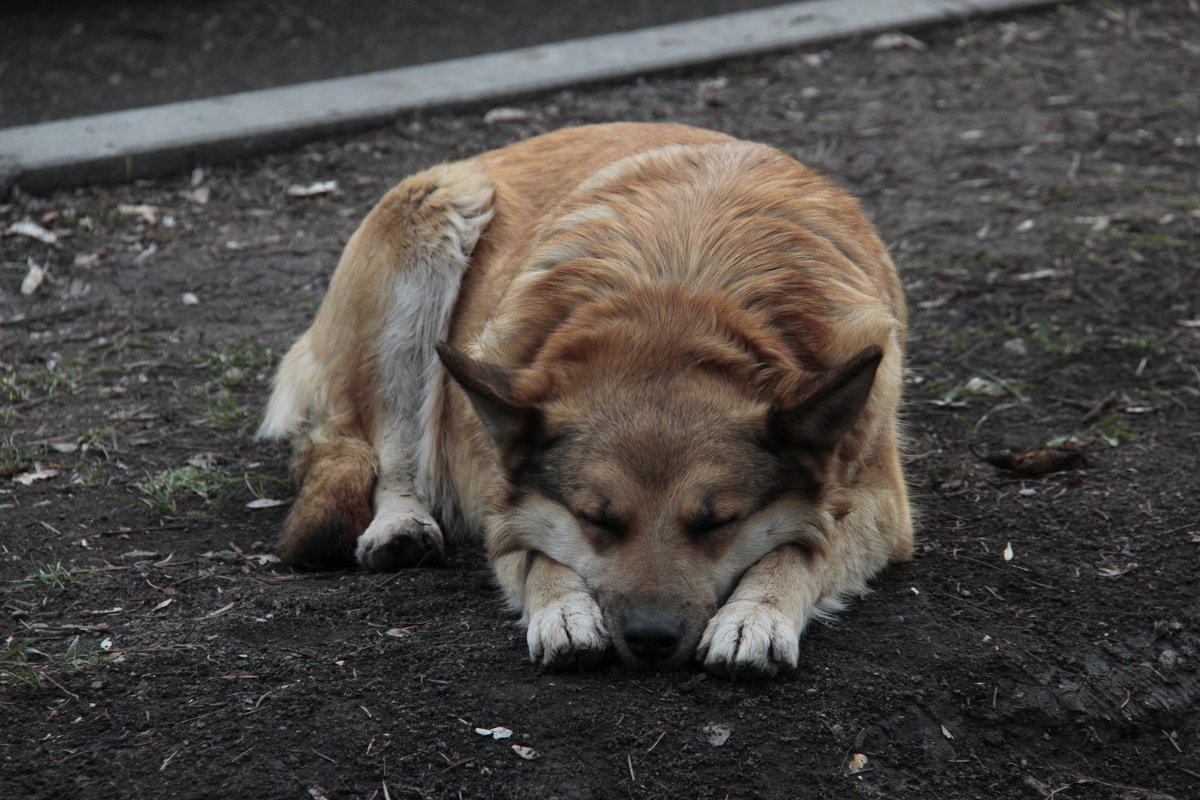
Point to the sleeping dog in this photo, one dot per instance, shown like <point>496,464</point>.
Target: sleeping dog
<point>657,368</point>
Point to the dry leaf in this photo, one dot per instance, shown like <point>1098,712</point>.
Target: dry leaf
<point>222,610</point>
<point>857,763</point>
<point>147,212</point>
<point>527,753</point>
<point>1037,462</point>
<point>33,279</point>
<point>145,254</point>
<point>36,474</point>
<point>313,189</point>
<point>33,231</point>
<point>717,734</point>
<point>206,460</point>
<point>1117,571</point>
<point>505,115</point>
<point>896,40</point>
<point>498,732</point>
<point>140,555</point>
<point>265,502</point>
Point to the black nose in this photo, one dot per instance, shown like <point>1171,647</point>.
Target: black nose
<point>652,635</point>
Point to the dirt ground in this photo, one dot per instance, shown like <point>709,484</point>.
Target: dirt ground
<point>1037,179</point>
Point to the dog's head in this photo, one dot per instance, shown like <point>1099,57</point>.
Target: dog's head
<point>660,482</point>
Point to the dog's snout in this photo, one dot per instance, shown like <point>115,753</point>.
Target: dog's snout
<point>652,635</point>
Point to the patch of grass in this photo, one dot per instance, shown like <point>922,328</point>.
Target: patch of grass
<point>1112,430</point>
<point>97,447</point>
<point>1183,203</point>
<point>42,382</point>
<point>246,354</point>
<point>1161,239</point>
<point>49,573</point>
<point>1139,340</point>
<point>14,456</point>
<point>11,389</point>
<point>108,349</point>
<point>101,439</point>
<point>1059,342</point>
<point>53,378</point>
<point>22,663</point>
<point>223,411</point>
<point>160,492</point>
<point>960,339</point>
<point>1054,339</point>
<point>258,484</point>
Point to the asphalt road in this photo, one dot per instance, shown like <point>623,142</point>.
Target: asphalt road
<point>77,57</point>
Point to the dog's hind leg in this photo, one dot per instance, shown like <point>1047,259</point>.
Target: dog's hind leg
<point>368,367</point>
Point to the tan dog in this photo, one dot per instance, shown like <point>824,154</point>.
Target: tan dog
<point>670,365</point>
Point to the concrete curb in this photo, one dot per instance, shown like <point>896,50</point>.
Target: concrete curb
<point>144,141</point>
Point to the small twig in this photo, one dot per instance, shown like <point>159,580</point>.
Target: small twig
<point>322,755</point>
<point>1098,407</point>
<point>59,685</point>
<point>656,741</point>
<point>167,760</point>
<point>458,763</point>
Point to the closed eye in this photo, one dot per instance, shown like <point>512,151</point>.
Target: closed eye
<point>701,525</point>
<point>605,521</point>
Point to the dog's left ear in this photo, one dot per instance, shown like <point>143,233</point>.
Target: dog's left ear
<point>490,391</point>
<point>821,420</point>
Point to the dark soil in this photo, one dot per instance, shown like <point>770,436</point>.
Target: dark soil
<point>1037,179</point>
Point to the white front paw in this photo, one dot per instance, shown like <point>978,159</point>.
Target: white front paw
<point>396,541</point>
<point>569,630</point>
<point>748,639</point>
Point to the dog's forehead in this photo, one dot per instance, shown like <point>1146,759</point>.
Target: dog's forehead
<point>658,439</point>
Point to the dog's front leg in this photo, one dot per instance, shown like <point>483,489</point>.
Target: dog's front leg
<point>757,631</point>
<point>564,626</point>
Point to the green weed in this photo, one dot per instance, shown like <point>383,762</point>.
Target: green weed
<point>224,411</point>
<point>101,439</point>
<point>1059,342</point>
<point>246,354</point>
<point>160,492</point>
<point>1112,430</point>
<point>1139,340</point>
<point>14,456</point>
<point>23,663</point>
<point>49,573</point>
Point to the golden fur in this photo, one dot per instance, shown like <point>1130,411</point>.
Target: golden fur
<point>667,372</point>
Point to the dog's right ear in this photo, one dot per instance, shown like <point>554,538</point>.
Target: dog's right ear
<point>490,391</point>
